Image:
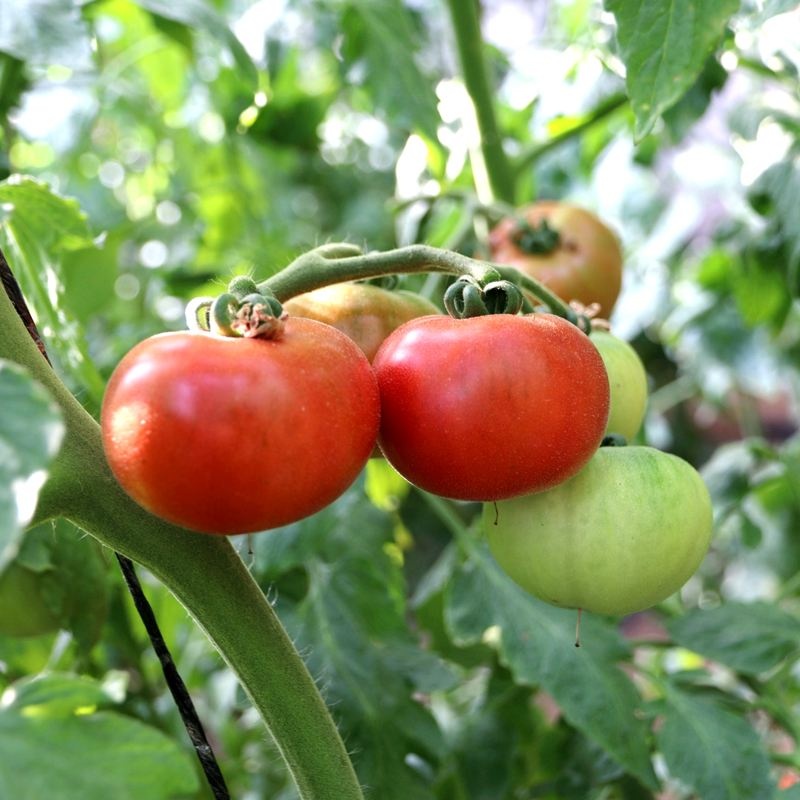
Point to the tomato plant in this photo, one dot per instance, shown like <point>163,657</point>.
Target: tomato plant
<point>150,151</point>
<point>568,248</point>
<point>226,435</point>
<point>627,381</point>
<point>490,406</point>
<point>620,536</point>
<point>366,313</point>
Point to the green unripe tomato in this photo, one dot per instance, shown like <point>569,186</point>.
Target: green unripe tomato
<point>627,382</point>
<point>623,534</point>
<point>23,608</point>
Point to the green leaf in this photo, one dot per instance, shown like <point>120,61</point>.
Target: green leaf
<point>351,623</point>
<point>488,737</point>
<point>381,32</point>
<point>680,117</point>
<point>58,582</point>
<point>781,185</point>
<point>45,32</point>
<point>90,755</point>
<point>197,14</point>
<point>711,749</point>
<point>26,449</point>
<point>36,226</point>
<point>537,642</point>
<point>664,44</point>
<point>748,637</point>
<point>55,696</point>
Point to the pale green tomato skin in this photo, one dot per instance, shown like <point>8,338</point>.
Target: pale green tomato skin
<point>627,382</point>
<point>623,534</point>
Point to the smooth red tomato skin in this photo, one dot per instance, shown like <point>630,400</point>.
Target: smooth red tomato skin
<point>585,266</point>
<point>490,407</point>
<point>224,435</point>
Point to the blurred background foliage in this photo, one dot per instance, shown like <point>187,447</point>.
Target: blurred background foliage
<point>204,139</point>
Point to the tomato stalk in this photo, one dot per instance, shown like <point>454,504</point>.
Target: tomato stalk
<point>340,262</point>
<point>207,576</point>
<point>465,21</point>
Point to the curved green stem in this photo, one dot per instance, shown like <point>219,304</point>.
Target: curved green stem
<point>602,110</point>
<point>324,266</point>
<point>205,573</point>
<point>464,16</point>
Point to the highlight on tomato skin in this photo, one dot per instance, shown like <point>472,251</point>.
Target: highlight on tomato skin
<point>228,435</point>
<point>622,535</point>
<point>585,262</point>
<point>490,407</point>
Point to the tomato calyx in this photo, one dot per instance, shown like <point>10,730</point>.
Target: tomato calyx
<point>538,239</point>
<point>246,310</point>
<point>466,298</point>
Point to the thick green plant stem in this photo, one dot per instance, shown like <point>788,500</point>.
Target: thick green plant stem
<point>339,262</point>
<point>465,20</point>
<point>204,572</point>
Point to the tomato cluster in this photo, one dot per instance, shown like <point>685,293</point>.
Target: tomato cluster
<point>227,434</point>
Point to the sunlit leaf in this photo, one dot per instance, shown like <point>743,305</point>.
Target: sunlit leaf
<point>45,32</point>
<point>36,226</point>
<point>664,46</point>
<point>386,35</point>
<point>26,450</point>
<point>197,14</point>
<point>90,754</point>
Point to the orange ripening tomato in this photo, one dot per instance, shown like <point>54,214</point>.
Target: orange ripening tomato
<point>585,259</point>
<point>366,313</point>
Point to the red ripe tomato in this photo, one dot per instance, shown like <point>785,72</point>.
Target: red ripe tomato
<point>490,407</point>
<point>585,264</point>
<point>227,435</point>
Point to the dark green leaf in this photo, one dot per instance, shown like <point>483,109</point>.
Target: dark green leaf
<point>680,117</point>
<point>486,739</point>
<point>748,637</point>
<point>351,623</point>
<point>711,749</point>
<point>26,450</point>
<point>201,15</point>
<point>664,45</point>
<point>56,745</point>
<point>780,184</point>
<point>64,580</point>
<point>45,32</point>
<point>36,226</point>
<point>537,642</point>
